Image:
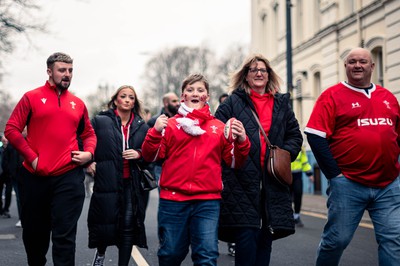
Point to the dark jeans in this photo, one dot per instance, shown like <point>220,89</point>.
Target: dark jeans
<point>51,206</point>
<point>253,247</point>
<point>297,191</point>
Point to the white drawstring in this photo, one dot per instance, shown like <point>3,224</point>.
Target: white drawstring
<point>125,141</point>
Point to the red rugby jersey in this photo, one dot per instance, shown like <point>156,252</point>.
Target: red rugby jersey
<point>363,131</point>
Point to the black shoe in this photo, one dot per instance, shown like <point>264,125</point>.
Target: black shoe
<point>6,214</point>
<point>231,249</point>
<point>98,259</point>
<point>298,222</point>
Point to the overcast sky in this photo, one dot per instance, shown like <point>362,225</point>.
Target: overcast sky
<point>110,40</point>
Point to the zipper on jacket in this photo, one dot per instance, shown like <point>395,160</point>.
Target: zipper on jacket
<point>58,97</point>
<point>193,162</point>
<point>271,230</point>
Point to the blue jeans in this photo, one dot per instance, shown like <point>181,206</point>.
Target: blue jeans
<point>253,247</point>
<point>185,223</point>
<point>157,172</point>
<point>346,204</point>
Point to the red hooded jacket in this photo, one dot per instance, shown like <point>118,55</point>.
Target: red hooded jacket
<point>192,166</point>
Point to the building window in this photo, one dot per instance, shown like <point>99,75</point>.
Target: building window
<point>298,88</point>
<point>377,57</point>
<point>264,32</point>
<point>298,107</point>
<point>317,15</point>
<point>317,85</point>
<point>348,7</point>
<point>274,30</point>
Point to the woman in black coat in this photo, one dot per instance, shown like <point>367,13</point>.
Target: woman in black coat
<point>256,209</point>
<point>117,207</point>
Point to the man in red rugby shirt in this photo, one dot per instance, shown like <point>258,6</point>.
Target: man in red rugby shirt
<point>354,132</point>
<point>52,190</point>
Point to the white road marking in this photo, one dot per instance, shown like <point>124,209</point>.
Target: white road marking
<point>7,237</point>
<point>323,216</point>
<point>138,258</point>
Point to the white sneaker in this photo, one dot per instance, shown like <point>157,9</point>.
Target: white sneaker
<point>98,259</point>
<point>18,224</point>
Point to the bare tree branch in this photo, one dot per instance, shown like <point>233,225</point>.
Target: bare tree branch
<point>166,70</point>
<point>17,18</point>
<point>6,107</point>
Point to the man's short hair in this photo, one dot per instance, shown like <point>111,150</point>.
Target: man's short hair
<point>166,96</point>
<point>58,57</point>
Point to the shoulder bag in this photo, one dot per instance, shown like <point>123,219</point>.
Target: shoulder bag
<point>278,164</point>
<point>147,180</point>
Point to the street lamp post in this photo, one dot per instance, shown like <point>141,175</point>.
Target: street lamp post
<point>289,51</point>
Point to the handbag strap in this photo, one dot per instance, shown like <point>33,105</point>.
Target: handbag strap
<point>261,128</point>
<point>139,168</point>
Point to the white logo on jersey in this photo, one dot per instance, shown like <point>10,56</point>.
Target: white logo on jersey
<point>355,105</point>
<point>374,122</point>
<point>387,104</point>
<point>72,105</point>
<point>43,100</point>
<point>214,129</point>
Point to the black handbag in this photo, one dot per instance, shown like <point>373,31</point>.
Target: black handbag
<point>147,180</point>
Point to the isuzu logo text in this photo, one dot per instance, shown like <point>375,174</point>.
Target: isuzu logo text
<point>374,122</point>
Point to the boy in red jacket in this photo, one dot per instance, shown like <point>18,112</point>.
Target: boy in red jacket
<point>192,145</point>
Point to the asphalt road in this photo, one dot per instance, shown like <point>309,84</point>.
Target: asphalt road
<point>298,249</point>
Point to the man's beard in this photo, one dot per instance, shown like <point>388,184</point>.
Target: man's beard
<point>173,109</point>
<point>62,87</point>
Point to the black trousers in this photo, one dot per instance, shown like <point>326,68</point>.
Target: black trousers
<point>6,184</point>
<point>51,206</point>
<point>297,191</point>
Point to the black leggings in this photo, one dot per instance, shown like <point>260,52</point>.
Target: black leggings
<point>126,231</point>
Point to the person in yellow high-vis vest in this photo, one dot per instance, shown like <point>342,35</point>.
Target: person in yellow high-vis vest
<point>299,166</point>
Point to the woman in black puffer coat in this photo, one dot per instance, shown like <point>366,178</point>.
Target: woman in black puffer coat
<point>117,207</point>
<point>256,209</point>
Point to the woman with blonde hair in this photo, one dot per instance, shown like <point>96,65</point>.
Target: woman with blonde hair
<point>117,207</point>
<point>255,207</point>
